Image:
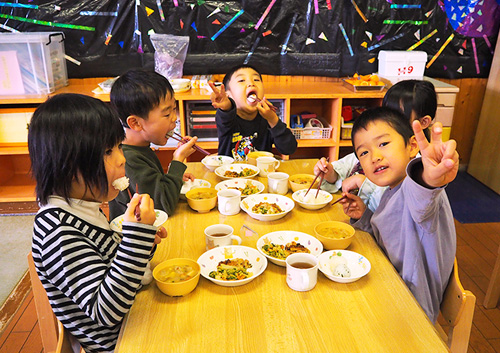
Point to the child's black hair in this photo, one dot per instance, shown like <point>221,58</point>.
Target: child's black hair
<point>137,92</point>
<point>412,96</point>
<point>231,72</point>
<point>67,138</point>
<point>393,117</point>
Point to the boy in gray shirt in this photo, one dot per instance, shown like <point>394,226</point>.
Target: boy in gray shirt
<point>413,223</point>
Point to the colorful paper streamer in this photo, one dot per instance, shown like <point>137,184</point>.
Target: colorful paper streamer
<point>24,6</point>
<point>346,38</point>
<point>160,10</point>
<point>440,51</point>
<point>475,54</point>
<point>290,29</point>
<point>214,37</point>
<point>422,40</point>
<point>384,42</point>
<point>252,50</point>
<point>405,6</point>
<point>47,23</point>
<point>7,28</point>
<point>265,14</point>
<point>329,4</point>
<point>358,10</point>
<point>488,43</point>
<point>403,22</point>
<point>98,13</point>
<point>316,7</point>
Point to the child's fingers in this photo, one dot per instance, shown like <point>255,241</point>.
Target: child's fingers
<point>419,135</point>
<point>129,215</point>
<point>436,133</point>
<point>213,87</point>
<point>450,150</point>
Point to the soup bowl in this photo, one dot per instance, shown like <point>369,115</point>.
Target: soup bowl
<point>180,282</point>
<point>202,199</point>
<point>334,235</point>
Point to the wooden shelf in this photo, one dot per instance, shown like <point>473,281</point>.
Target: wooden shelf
<point>325,99</point>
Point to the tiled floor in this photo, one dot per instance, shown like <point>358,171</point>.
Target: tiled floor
<point>476,252</point>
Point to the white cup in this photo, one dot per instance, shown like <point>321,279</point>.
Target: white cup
<point>267,165</point>
<point>220,235</point>
<point>301,271</point>
<point>277,183</point>
<point>229,201</point>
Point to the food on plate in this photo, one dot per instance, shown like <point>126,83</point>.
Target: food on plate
<point>244,173</point>
<point>249,189</point>
<point>176,273</point>
<point>338,266</point>
<point>201,195</point>
<point>334,232</point>
<point>232,270</point>
<point>266,208</point>
<point>121,183</point>
<point>282,251</point>
<point>365,80</point>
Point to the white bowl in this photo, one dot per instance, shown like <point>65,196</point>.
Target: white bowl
<point>210,259</point>
<point>284,237</point>
<point>285,203</point>
<point>238,167</point>
<point>180,84</point>
<point>240,184</point>
<point>358,264</point>
<point>311,202</point>
<point>214,161</point>
<point>116,224</point>
<point>196,183</point>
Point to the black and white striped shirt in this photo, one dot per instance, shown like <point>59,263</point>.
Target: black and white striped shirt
<point>91,279</point>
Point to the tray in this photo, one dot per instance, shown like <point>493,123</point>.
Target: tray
<point>363,88</point>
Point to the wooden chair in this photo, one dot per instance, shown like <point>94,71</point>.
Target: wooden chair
<point>457,311</point>
<point>493,292</point>
<point>55,339</point>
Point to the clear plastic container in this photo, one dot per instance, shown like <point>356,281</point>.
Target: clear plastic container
<point>32,63</point>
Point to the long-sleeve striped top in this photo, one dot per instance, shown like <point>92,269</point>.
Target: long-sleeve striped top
<point>91,279</point>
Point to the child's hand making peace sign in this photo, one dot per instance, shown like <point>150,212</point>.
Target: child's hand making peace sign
<point>440,159</point>
<point>219,97</point>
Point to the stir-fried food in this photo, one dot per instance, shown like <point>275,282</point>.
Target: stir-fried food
<point>244,173</point>
<point>282,251</point>
<point>232,270</point>
<point>249,189</point>
<point>267,208</point>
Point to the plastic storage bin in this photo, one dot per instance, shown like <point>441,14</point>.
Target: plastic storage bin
<point>398,65</point>
<point>32,63</point>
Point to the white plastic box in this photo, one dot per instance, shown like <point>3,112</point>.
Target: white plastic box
<point>395,65</point>
<point>32,63</point>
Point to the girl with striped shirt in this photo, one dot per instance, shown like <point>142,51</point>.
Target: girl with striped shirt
<point>91,274</point>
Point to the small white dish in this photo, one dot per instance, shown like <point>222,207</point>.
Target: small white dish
<point>284,237</point>
<point>196,183</point>
<point>358,265</point>
<point>237,168</point>
<point>209,261</point>
<point>116,224</point>
<point>311,202</point>
<point>284,203</point>
<point>241,185</point>
<point>180,84</point>
<point>214,161</point>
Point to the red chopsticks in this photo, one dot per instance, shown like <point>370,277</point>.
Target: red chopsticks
<point>353,191</point>
<point>322,174</point>
<point>272,107</point>
<point>137,211</point>
<point>181,139</point>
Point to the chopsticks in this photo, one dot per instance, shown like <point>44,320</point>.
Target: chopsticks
<point>272,107</point>
<point>181,139</point>
<point>322,174</point>
<point>353,191</point>
<point>137,211</point>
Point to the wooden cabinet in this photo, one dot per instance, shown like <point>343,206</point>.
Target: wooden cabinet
<point>325,99</point>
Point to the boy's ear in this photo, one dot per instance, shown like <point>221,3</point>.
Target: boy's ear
<point>425,121</point>
<point>414,149</point>
<point>134,122</point>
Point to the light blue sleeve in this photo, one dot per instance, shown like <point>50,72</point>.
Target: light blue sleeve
<point>343,168</point>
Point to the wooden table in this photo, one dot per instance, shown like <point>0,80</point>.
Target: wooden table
<point>375,314</point>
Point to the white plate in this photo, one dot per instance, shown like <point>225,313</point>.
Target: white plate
<point>285,203</point>
<point>238,167</point>
<point>311,202</point>
<point>196,183</point>
<point>209,260</point>
<point>116,224</point>
<point>214,161</point>
<point>358,264</point>
<point>240,184</point>
<point>284,237</point>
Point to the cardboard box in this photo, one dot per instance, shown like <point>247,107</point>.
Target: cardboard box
<point>395,65</point>
<point>32,63</point>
